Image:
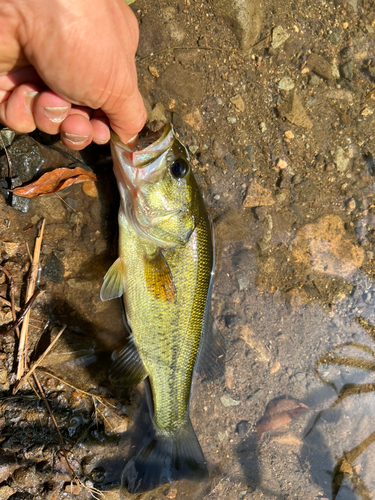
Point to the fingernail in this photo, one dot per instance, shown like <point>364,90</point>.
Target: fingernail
<point>29,96</point>
<point>75,139</point>
<point>132,142</point>
<point>57,114</point>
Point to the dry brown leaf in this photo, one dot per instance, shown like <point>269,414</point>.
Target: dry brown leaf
<point>279,412</point>
<point>54,181</point>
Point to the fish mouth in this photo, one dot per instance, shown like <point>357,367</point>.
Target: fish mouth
<point>141,164</point>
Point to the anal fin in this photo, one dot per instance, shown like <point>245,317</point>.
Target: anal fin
<point>127,370</point>
<point>159,279</point>
<point>113,282</point>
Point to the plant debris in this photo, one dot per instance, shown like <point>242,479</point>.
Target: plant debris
<point>279,412</point>
<point>56,180</point>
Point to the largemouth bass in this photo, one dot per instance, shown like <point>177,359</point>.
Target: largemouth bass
<point>164,273</point>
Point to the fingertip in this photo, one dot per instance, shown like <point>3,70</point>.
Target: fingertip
<point>16,112</point>
<point>129,119</point>
<point>76,132</point>
<point>101,131</point>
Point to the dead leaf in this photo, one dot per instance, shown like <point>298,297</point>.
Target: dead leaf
<point>54,181</point>
<point>279,412</point>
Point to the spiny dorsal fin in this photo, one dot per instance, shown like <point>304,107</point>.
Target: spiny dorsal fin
<point>114,281</point>
<point>127,369</point>
<point>159,279</point>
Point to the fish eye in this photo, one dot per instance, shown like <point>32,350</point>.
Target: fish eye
<point>179,168</point>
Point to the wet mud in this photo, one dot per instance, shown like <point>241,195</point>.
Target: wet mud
<point>282,142</point>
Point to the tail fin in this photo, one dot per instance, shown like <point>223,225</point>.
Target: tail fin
<point>163,458</point>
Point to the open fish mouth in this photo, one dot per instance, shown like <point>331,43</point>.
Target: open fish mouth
<point>141,164</point>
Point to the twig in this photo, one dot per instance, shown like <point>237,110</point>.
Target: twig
<point>59,437</point>
<point>88,394</point>
<point>11,292</point>
<point>31,282</point>
<point>25,311</point>
<point>38,361</point>
<point>177,48</point>
<point>65,203</point>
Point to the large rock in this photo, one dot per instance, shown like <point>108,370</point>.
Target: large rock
<point>244,17</point>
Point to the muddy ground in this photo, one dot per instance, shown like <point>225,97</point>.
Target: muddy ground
<point>282,141</point>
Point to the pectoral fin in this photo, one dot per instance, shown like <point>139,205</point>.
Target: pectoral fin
<point>114,281</point>
<point>159,279</point>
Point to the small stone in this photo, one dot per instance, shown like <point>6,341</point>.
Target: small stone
<point>193,149</point>
<point>275,367</point>
<point>294,111</point>
<point>367,112</point>
<point>53,269</point>
<point>90,189</point>
<point>3,376</point>
<point>27,477</point>
<point>341,160</point>
<point>6,492</point>
<point>289,134</point>
<point>73,489</point>
<point>172,492</point>
<point>194,119</point>
<point>286,83</point>
<point>279,36</point>
<point>262,126</point>
<point>242,427</point>
<point>315,80</point>
<point>217,197</point>
<point>154,72</point>
<point>158,113</point>
<point>281,163</point>
<point>35,219</point>
<point>227,401</point>
<point>351,205</point>
<point>258,196</point>
<point>249,337</point>
<point>244,17</point>
<point>9,247</point>
<point>238,102</point>
<point>345,25</point>
<point>8,136</point>
<point>231,119</point>
<point>320,66</point>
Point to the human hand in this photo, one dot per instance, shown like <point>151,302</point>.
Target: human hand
<point>68,66</point>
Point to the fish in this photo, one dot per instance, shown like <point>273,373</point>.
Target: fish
<point>164,273</point>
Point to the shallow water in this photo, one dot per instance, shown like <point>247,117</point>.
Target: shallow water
<point>294,287</point>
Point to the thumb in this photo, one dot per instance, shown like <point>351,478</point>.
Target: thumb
<point>128,117</point>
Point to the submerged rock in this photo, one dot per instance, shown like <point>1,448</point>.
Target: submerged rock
<point>244,17</point>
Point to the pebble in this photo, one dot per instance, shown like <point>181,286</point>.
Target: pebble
<point>320,66</point>
<point>231,119</point>
<point>193,149</point>
<point>6,492</point>
<point>367,112</point>
<point>289,134</point>
<point>9,247</point>
<point>295,112</point>
<point>351,205</point>
<point>227,401</point>
<point>158,113</point>
<point>281,163</point>
<point>27,477</point>
<point>286,83</point>
<point>89,188</point>
<point>258,196</point>
<point>315,80</point>
<point>341,160</point>
<point>242,427</point>
<point>154,72</point>
<point>262,126</point>
<point>238,102</point>
<point>53,269</point>
<point>279,36</point>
